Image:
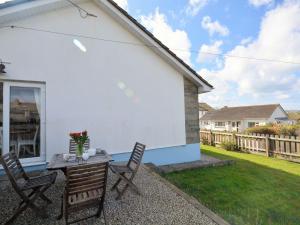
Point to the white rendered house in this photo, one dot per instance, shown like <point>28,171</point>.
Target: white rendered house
<point>106,74</point>
<point>238,119</point>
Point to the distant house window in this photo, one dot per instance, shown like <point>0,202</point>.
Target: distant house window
<point>204,123</point>
<point>233,124</point>
<point>253,124</point>
<point>219,124</point>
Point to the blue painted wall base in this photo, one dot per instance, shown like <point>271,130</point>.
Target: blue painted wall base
<point>158,156</point>
<point>166,156</point>
<point>40,167</point>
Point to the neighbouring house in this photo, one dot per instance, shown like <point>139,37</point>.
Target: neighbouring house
<point>204,108</point>
<point>70,71</point>
<point>240,118</point>
<point>294,115</point>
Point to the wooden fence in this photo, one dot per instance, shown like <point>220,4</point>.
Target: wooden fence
<point>285,147</point>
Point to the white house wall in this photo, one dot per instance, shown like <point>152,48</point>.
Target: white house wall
<point>120,93</point>
<point>278,113</point>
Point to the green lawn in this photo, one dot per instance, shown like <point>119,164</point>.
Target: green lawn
<point>255,190</point>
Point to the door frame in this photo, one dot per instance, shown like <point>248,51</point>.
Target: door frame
<point>6,113</point>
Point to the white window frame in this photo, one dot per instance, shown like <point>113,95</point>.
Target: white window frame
<point>6,111</point>
<point>217,126</point>
<point>254,122</point>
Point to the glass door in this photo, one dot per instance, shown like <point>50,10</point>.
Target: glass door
<point>24,120</point>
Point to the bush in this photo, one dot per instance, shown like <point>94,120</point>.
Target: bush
<point>262,130</point>
<point>288,130</point>
<point>204,140</point>
<point>274,129</point>
<point>229,146</point>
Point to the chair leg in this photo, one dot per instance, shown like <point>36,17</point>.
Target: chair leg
<point>100,209</point>
<point>46,199</point>
<point>27,203</point>
<point>16,214</point>
<point>122,192</point>
<point>116,184</point>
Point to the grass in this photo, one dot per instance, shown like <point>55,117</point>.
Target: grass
<point>255,190</point>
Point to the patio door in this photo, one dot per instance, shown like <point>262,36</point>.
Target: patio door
<point>23,120</point>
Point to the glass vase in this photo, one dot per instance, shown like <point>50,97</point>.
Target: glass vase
<point>79,150</point>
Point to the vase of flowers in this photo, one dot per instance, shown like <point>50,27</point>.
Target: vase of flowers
<point>79,138</point>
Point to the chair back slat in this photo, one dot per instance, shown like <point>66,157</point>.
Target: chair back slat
<point>136,156</point>
<point>12,166</point>
<point>83,179</point>
<point>13,169</point>
<point>73,146</point>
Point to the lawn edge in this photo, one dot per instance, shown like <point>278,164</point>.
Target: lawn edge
<point>153,170</point>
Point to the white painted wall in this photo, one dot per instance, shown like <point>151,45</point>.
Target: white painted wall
<point>83,88</point>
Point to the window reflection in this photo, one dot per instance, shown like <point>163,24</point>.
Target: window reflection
<point>25,109</point>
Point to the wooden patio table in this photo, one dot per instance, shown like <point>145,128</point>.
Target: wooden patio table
<point>58,163</point>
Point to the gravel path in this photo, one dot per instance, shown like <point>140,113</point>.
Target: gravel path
<point>158,205</point>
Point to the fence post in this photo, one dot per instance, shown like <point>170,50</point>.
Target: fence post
<point>267,145</point>
<point>212,141</point>
<point>234,138</point>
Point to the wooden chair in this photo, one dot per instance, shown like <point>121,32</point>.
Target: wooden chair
<point>126,173</point>
<point>22,183</point>
<point>73,146</point>
<point>25,141</point>
<point>85,188</point>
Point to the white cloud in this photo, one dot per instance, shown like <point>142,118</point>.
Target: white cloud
<point>195,6</point>
<point>3,1</point>
<point>213,48</point>
<point>122,3</point>
<point>173,38</point>
<point>261,79</point>
<point>214,27</point>
<point>258,3</point>
<point>245,41</point>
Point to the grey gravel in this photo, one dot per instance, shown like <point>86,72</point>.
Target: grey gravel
<point>158,204</point>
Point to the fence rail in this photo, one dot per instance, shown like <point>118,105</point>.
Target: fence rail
<point>286,147</point>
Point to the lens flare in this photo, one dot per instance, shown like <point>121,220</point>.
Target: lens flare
<point>79,45</point>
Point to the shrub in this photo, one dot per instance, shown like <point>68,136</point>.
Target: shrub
<point>204,140</point>
<point>229,146</point>
<point>288,130</point>
<point>262,130</point>
<point>275,129</point>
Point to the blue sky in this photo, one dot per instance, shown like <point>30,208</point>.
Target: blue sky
<point>267,29</point>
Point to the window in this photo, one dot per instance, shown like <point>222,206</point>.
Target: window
<point>253,124</point>
<point>205,123</point>
<point>219,124</point>
<point>24,131</point>
<point>22,120</point>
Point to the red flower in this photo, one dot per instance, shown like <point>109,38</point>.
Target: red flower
<point>79,137</point>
